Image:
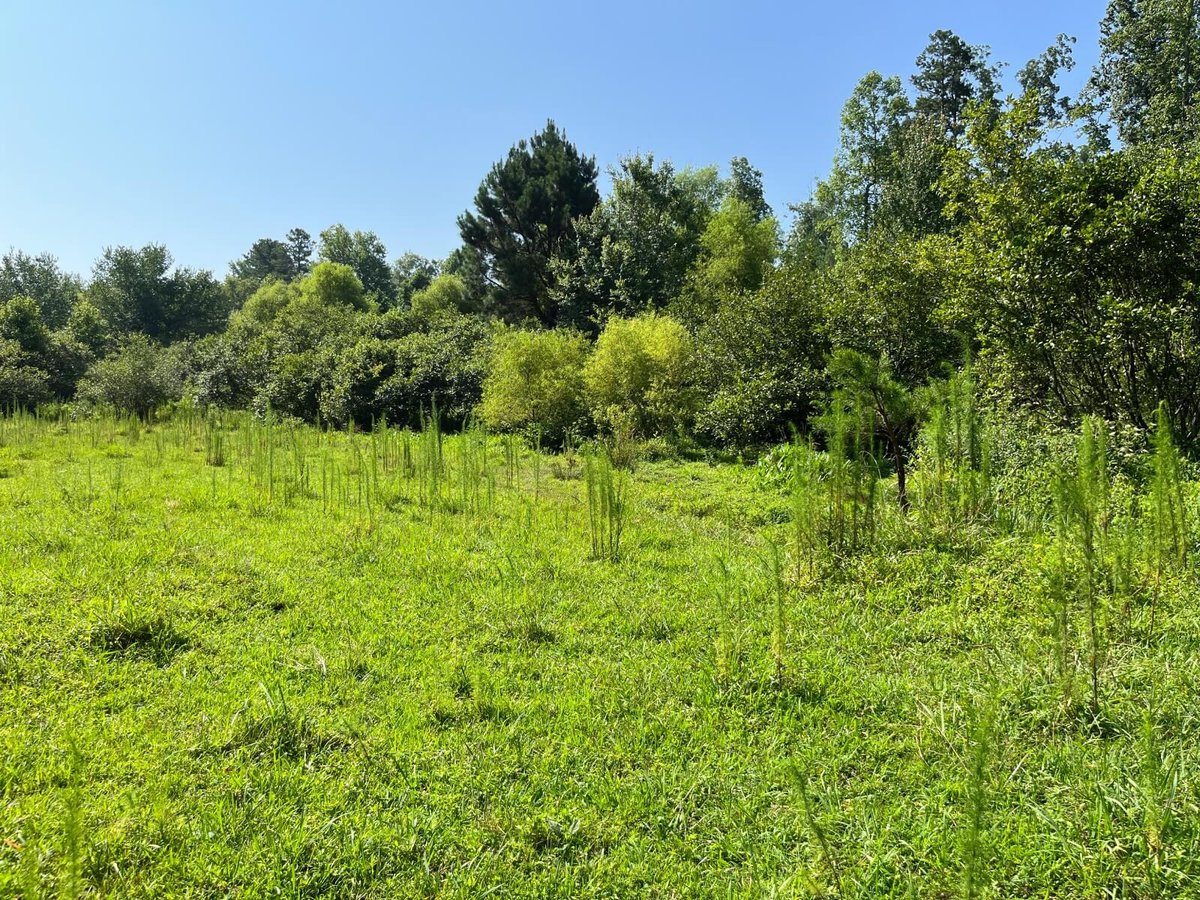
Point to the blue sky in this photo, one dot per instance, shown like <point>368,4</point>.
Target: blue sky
<point>204,126</point>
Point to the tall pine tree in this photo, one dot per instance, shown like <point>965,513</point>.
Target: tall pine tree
<point>525,212</point>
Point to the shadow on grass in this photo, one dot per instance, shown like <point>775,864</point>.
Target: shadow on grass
<point>153,638</point>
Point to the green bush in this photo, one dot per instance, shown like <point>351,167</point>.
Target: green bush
<point>760,360</point>
<point>295,382</point>
<point>536,381</point>
<point>332,284</point>
<point>641,370</point>
<point>282,347</point>
<point>405,366</point>
<point>22,385</point>
<point>139,377</point>
<point>87,327</point>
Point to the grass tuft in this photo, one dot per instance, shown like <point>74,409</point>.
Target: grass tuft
<point>142,636</point>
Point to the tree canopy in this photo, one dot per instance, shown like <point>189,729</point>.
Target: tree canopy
<point>525,212</point>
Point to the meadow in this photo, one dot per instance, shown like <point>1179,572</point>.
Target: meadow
<point>256,659</point>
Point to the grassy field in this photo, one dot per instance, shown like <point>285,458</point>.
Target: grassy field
<point>259,661</point>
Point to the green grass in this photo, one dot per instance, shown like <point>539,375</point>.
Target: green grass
<point>255,661</point>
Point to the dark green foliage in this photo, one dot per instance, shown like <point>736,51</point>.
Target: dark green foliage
<point>317,349</point>
<point>140,291</point>
<point>412,273</point>
<point>890,295</point>
<point>266,258</point>
<point>633,252</point>
<point>300,250</point>
<point>524,216</point>
<point>746,185</point>
<point>760,359</point>
<point>1080,274</point>
<point>816,236</point>
<point>21,321</point>
<point>406,365</point>
<point>88,327</point>
<point>1039,78</point>
<point>951,75</point>
<point>951,224</point>
<point>23,384</point>
<point>38,363</point>
<point>65,360</point>
<point>869,153</point>
<point>469,264</point>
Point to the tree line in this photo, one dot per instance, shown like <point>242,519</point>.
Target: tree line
<point>1052,240</point>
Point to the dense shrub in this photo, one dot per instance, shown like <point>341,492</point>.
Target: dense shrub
<point>1081,274</point>
<point>22,385</point>
<point>405,366</point>
<point>536,381</point>
<point>890,295</point>
<point>88,328</point>
<point>140,376</point>
<point>641,370</point>
<point>332,284</point>
<point>295,382</point>
<point>64,362</point>
<point>760,360</point>
<point>282,346</point>
<point>217,375</point>
<point>21,321</point>
<point>39,363</point>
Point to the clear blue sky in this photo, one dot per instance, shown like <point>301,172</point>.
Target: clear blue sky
<point>207,125</point>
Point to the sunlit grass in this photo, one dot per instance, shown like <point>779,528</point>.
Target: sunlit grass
<point>244,658</point>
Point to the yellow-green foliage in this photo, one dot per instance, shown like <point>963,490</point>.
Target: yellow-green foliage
<point>738,248</point>
<point>299,313</point>
<point>334,284</point>
<point>536,381</point>
<point>447,292</point>
<point>329,286</point>
<point>641,367</point>
<point>261,307</point>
